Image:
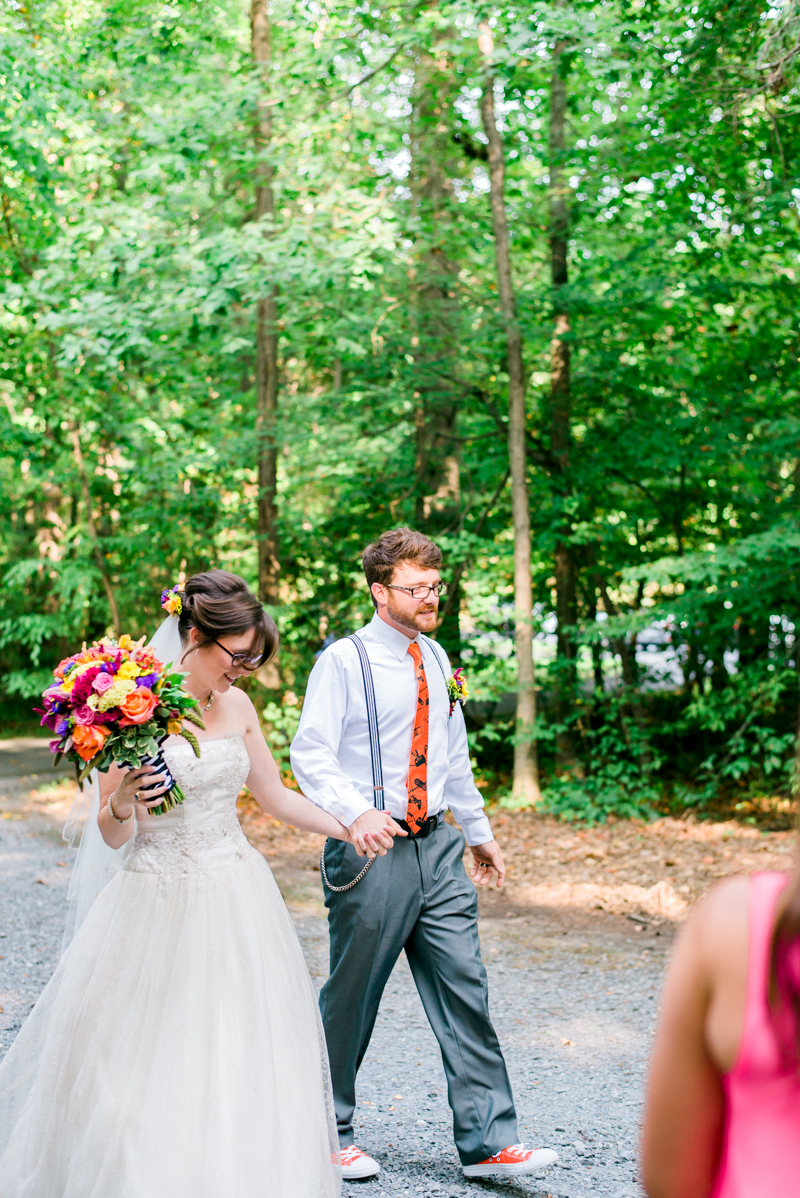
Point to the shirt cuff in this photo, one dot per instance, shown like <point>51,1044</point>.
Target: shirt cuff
<point>476,828</point>
<point>344,807</point>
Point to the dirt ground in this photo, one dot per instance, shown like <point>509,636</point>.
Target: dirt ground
<point>649,873</point>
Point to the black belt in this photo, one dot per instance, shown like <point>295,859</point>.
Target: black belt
<point>426,827</point>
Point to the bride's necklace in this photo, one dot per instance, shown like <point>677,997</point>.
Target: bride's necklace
<point>211,699</point>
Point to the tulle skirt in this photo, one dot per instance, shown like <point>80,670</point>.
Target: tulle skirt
<point>176,1052</point>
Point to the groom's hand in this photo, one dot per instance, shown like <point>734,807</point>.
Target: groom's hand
<point>488,863</point>
<point>371,834</point>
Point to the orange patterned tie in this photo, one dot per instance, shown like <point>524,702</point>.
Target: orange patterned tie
<point>417,782</point>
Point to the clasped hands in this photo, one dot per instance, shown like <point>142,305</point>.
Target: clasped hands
<point>372,835</point>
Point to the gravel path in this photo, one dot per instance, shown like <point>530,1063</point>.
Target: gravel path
<point>573,1001</point>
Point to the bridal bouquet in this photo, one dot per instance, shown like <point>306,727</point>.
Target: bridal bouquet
<point>113,704</point>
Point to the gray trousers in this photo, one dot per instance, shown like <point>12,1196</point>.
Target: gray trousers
<point>418,898</point>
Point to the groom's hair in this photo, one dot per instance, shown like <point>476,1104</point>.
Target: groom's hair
<point>393,547</point>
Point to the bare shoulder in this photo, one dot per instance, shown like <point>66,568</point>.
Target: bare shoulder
<point>725,903</point>
<point>718,924</point>
<point>240,707</point>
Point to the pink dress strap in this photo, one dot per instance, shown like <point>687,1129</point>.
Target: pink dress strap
<point>761,1151</point>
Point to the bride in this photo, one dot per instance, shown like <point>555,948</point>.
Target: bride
<point>177,1052</point>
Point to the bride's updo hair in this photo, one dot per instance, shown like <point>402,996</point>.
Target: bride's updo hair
<point>218,604</point>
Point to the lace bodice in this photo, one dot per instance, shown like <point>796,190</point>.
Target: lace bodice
<point>203,832</point>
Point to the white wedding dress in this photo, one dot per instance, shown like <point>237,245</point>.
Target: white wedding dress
<point>177,1050</point>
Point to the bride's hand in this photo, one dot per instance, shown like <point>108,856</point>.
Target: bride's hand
<point>129,795</point>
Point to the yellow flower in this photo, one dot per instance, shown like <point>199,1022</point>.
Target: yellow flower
<point>116,694</point>
<point>129,669</point>
<point>125,641</point>
<point>174,727</point>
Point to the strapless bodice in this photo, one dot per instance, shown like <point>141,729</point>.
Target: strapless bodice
<point>203,832</point>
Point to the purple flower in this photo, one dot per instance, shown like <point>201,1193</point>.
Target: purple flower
<point>55,745</point>
<point>62,727</point>
<point>49,720</point>
<point>147,680</point>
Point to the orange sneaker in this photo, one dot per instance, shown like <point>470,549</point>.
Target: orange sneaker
<point>513,1161</point>
<point>356,1164</point>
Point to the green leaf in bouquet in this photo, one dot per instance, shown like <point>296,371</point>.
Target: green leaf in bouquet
<point>82,774</point>
<point>193,741</point>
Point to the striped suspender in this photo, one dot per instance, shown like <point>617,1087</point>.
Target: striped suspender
<point>435,653</point>
<point>372,723</point>
<point>372,714</point>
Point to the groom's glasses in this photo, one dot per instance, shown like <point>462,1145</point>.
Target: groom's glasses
<point>241,661</point>
<point>421,592</point>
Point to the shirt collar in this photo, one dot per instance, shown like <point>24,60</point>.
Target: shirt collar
<point>396,642</point>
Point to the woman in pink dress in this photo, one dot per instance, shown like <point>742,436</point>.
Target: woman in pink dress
<point>723,1108</point>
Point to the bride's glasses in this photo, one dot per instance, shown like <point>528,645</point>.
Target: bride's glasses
<point>421,592</point>
<point>241,661</point>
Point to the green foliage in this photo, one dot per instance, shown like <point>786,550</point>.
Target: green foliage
<point>281,722</point>
<point>593,800</point>
<point>130,264</point>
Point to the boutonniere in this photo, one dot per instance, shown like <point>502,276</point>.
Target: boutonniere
<point>456,690</point>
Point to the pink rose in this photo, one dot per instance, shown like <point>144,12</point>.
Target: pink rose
<point>102,682</point>
<point>84,714</point>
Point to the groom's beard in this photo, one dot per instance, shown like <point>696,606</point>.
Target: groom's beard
<point>420,621</point>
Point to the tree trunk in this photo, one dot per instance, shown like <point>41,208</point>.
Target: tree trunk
<point>437,464</point>
<point>266,332</point>
<point>560,412</point>
<point>526,768</point>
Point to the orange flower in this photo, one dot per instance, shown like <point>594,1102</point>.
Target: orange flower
<point>89,739</point>
<point>139,705</point>
<point>147,659</point>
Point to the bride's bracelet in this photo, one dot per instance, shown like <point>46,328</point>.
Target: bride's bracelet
<point>113,813</point>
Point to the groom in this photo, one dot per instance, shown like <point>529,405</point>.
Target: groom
<point>417,897</point>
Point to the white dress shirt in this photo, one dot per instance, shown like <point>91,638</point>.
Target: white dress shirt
<point>330,753</point>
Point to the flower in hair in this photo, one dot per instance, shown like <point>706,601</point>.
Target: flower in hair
<point>172,600</point>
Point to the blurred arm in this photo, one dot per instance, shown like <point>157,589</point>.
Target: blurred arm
<point>684,1117</point>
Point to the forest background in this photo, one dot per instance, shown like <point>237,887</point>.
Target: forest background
<point>254,311</point>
